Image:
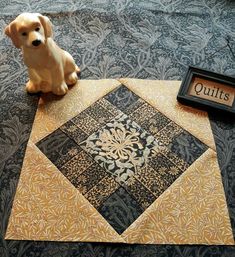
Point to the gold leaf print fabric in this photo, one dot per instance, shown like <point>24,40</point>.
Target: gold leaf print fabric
<point>48,207</point>
<point>192,211</point>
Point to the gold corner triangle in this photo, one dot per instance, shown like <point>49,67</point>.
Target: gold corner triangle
<point>48,207</point>
<point>192,210</point>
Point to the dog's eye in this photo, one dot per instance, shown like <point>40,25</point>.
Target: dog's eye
<point>24,34</point>
<point>37,29</point>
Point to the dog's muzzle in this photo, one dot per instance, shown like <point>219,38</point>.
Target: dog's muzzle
<point>36,42</point>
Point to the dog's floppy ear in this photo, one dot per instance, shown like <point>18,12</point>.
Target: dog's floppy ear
<point>11,32</point>
<point>46,23</point>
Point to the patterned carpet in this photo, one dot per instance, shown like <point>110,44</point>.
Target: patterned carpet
<point>113,39</point>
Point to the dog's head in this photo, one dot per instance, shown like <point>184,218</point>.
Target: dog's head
<point>29,30</point>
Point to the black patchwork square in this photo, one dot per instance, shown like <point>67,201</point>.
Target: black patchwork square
<point>154,124</point>
<point>141,193</point>
<point>143,113</point>
<point>99,113</point>
<point>77,165</point>
<point>120,210</point>
<point>122,98</point>
<point>89,178</point>
<point>168,133</point>
<point>102,191</point>
<point>86,123</point>
<point>74,132</point>
<point>152,180</point>
<point>187,147</point>
<point>168,171</point>
<point>176,159</point>
<point>58,147</point>
<point>134,106</point>
<point>109,107</point>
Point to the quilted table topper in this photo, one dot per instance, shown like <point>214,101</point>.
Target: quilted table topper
<point>120,161</point>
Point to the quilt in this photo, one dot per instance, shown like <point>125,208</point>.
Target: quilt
<point>120,161</point>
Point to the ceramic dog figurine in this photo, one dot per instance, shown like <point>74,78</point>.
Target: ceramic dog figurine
<point>50,68</point>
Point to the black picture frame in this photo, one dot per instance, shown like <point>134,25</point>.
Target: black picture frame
<point>186,98</point>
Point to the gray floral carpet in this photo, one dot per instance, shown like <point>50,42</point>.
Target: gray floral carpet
<point>155,39</point>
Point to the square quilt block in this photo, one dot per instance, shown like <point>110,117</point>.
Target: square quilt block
<point>119,159</point>
<point>114,140</point>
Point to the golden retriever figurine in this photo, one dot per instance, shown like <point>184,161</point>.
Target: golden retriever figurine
<point>50,68</point>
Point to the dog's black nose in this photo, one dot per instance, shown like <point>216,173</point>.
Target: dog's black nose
<point>36,42</point>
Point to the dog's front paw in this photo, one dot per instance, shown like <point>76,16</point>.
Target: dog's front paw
<point>60,90</point>
<point>71,79</point>
<point>31,87</point>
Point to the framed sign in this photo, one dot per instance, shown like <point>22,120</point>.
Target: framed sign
<point>207,90</point>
